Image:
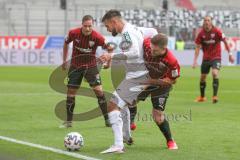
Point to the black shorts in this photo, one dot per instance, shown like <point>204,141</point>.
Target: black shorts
<point>206,65</point>
<point>75,76</point>
<point>159,96</point>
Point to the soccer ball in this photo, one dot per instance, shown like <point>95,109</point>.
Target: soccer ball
<point>73,141</point>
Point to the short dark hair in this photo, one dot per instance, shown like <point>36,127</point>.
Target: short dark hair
<point>110,14</point>
<point>86,18</point>
<point>160,40</point>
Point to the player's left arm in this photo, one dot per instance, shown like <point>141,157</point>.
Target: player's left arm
<point>172,75</point>
<point>223,38</point>
<point>169,79</point>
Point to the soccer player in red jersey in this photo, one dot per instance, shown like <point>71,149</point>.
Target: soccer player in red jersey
<point>163,69</point>
<point>83,64</point>
<point>209,39</point>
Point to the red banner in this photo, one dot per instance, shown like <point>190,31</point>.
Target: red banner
<point>21,42</point>
<point>234,43</point>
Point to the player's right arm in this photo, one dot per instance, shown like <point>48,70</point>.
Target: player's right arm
<point>65,54</point>
<point>67,40</point>
<point>196,54</point>
<point>197,50</point>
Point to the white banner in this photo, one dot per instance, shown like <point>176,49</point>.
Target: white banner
<point>54,57</point>
<point>13,57</point>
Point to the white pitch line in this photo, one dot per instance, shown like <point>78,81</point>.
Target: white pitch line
<point>55,150</point>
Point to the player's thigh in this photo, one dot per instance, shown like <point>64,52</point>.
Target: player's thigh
<point>93,77</point>
<point>128,90</point>
<point>205,67</point>
<point>216,66</point>
<point>75,77</point>
<point>144,94</point>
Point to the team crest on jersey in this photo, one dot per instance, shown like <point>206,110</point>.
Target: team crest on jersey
<point>212,35</point>
<point>91,43</point>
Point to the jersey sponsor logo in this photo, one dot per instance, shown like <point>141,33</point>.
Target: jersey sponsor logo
<point>127,37</point>
<point>212,41</point>
<point>174,73</point>
<point>84,50</point>
<point>212,35</point>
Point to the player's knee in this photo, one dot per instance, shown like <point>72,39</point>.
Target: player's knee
<point>158,120</point>
<point>71,92</point>
<point>98,91</point>
<point>203,78</point>
<point>158,117</point>
<point>112,106</point>
<point>215,75</point>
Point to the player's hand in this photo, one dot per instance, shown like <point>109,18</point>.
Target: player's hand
<point>105,57</point>
<point>231,58</point>
<point>107,64</point>
<point>194,64</point>
<point>64,66</point>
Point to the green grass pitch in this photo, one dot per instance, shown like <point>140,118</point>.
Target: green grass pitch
<point>202,130</point>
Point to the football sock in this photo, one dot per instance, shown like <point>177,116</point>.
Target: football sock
<point>215,86</point>
<point>165,129</point>
<point>103,106</point>
<point>70,104</point>
<point>202,88</point>
<point>125,113</point>
<point>133,113</point>
<point>117,126</point>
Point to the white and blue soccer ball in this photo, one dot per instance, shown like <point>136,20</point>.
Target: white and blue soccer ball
<point>73,141</point>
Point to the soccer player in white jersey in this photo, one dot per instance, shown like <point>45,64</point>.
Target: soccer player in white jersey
<point>136,72</point>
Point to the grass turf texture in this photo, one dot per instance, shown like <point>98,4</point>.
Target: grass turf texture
<point>202,130</point>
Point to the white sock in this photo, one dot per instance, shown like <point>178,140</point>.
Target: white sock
<point>126,122</point>
<point>117,125</point>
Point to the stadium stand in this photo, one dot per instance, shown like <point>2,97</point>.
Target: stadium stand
<point>45,17</point>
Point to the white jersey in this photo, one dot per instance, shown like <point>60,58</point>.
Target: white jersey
<point>134,67</point>
<point>148,32</point>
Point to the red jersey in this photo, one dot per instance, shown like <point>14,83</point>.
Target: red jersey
<point>84,47</point>
<point>165,66</point>
<point>211,43</point>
